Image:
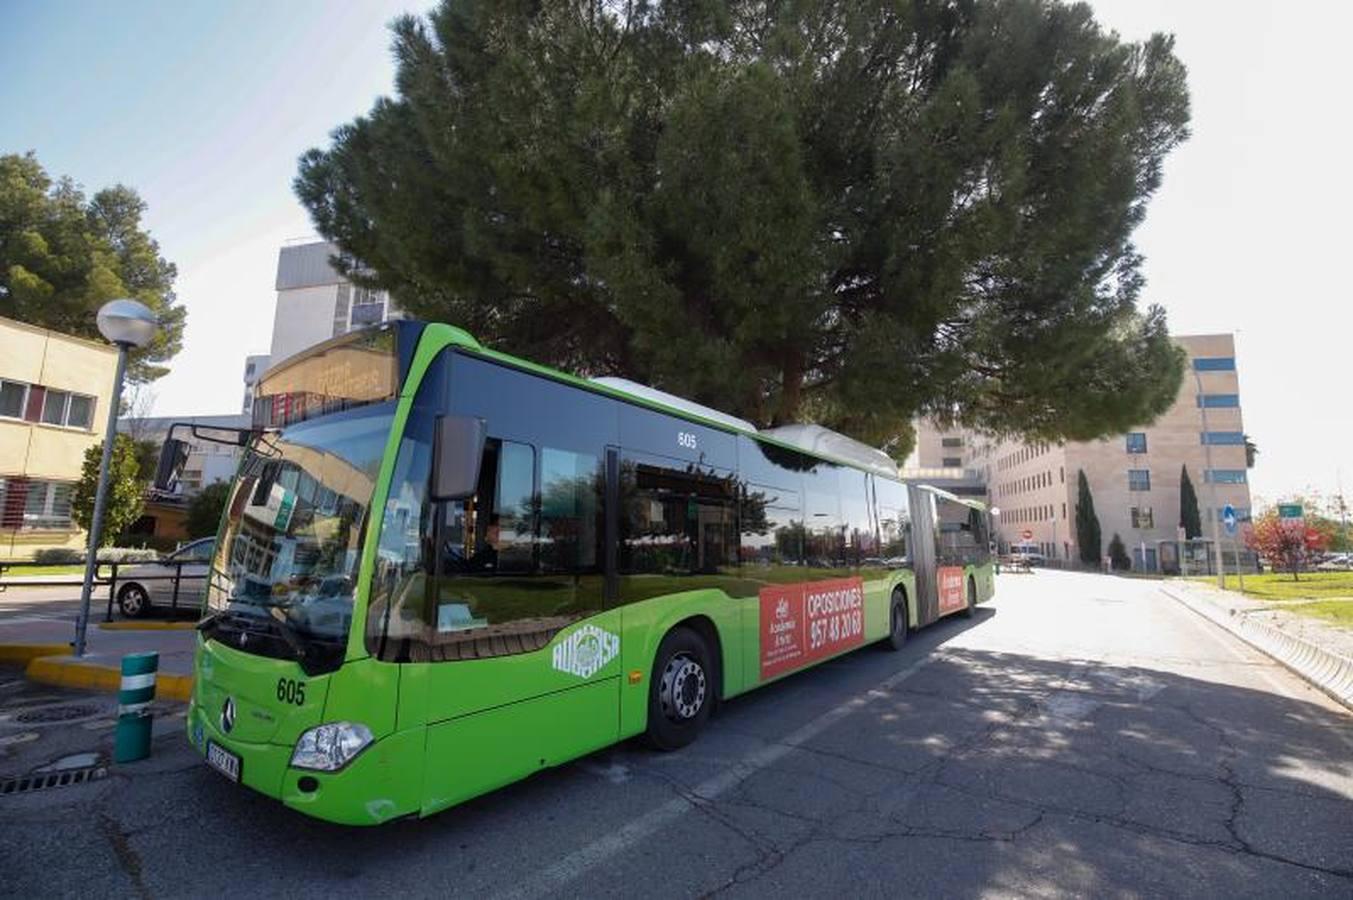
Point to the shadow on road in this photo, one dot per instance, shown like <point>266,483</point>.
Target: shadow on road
<point>981,772</point>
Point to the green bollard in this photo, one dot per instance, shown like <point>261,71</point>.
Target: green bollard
<point>132,740</point>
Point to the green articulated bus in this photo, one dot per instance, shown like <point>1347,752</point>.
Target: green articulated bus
<point>442,569</point>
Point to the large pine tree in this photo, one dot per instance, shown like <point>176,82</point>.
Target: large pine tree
<point>842,212</point>
<point>1088,536</point>
<point>1189,519</point>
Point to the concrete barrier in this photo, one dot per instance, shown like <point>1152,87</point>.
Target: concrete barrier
<point>1326,670</point>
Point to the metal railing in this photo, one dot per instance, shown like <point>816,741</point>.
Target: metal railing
<point>106,574</point>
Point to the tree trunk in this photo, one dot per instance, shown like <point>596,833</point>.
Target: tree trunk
<point>791,388</point>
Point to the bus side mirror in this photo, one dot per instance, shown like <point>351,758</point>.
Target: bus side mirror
<point>173,455</point>
<point>457,451</point>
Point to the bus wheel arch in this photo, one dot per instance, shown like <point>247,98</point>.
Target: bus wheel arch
<point>685,683</point>
<point>970,606</point>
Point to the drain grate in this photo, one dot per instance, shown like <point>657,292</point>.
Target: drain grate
<point>66,713</point>
<point>26,784</point>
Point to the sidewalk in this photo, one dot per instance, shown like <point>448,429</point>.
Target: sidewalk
<point>1320,653</point>
<point>44,645</point>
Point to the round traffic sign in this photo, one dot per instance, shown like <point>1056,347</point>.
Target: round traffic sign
<point>1228,518</point>
<point>1027,534</point>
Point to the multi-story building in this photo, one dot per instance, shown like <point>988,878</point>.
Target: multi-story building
<point>314,303</point>
<point>54,392</point>
<point>255,364</point>
<point>1135,479</point>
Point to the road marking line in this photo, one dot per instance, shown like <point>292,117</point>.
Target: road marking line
<point>551,878</point>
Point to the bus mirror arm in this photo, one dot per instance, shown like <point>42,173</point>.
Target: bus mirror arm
<point>457,451</point>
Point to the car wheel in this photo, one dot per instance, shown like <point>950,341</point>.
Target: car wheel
<point>681,691</point>
<point>133,601</point>
<point>972,599</point>
<point>897,621</point>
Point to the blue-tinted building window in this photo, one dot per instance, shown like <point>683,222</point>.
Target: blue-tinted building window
<point>1214,364</point>
<point>1136,442</point>
<point>1225,476</point>
<point>1218,400</point>
<point>1139,479</point>
<point>1222,437</point>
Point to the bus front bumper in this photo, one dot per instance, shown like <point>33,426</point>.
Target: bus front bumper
<point>381,783</point>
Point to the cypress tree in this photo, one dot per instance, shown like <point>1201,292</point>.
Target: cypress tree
<point>1188,506</point>
<point>1088,536</point>
<point>1118,557</point>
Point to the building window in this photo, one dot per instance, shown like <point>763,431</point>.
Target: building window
<point>1136,442</point>
<point>1219,401</point>
<point>1139,479</point>
<point>368,307</point>
<point>1214,364</point>
<point>13,398</point>
<point>951,462</point>
<point>67,409</point>
<point>1142,517</point>
<point>1222,437</point>
<point>1225,476</point>
<point>951,442</point>
<point>35,504</point>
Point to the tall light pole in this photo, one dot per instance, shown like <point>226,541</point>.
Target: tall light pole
<point>126,324</point>
<point>1211,482</point>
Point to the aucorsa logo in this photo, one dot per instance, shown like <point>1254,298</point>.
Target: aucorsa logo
<point>782,609</point>
<point>586,651</point>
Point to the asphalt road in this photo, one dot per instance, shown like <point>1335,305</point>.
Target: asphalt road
<point>1083,735</point>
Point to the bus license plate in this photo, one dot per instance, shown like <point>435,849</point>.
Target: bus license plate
<point>223,761</point>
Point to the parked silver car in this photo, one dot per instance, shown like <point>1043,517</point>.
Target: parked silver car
<point>147,585</point>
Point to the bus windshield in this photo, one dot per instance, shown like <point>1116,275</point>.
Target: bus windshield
<point>285,570</point>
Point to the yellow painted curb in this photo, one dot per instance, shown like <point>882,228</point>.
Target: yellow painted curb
<point>23,653</point>
<point>147,626</point>
<point>68,673</point>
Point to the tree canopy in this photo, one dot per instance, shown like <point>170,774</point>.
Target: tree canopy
<point>1189,517</point>
<point>63,255</point>
<point>126,490</point>
<point>843,212</point>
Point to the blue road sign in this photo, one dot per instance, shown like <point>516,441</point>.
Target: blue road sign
<point>1228,518</point>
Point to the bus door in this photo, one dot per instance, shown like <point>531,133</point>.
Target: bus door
<point>923,555</point>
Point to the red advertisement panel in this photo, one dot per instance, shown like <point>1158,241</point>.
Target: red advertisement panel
<point>802,623</point>
<point>949,580</point>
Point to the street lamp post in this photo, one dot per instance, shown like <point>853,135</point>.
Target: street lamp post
<point>1211,484</point>
<point>126,324</point>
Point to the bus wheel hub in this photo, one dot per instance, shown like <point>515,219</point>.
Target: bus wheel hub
<point>682,690</point>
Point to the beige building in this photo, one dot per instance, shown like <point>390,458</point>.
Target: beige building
<point>1134,478</point>
<point>54,393</point>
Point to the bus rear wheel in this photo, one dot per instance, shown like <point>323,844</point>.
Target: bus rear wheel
<point>681,691</point>
<point>897,622</point>
<point>972,599</point>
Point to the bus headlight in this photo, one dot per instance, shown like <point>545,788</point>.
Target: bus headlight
<point>330,747</point>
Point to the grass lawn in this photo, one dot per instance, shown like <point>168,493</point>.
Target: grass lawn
<point>1321,595</point>
<point>24,571</point>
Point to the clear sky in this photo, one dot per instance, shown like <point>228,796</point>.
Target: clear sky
<point>204,107</point>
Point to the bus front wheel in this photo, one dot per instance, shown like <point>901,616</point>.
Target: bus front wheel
<point>897,620</point>
<point>681,691</point>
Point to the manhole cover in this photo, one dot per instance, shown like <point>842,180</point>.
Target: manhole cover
<point>68,713</point>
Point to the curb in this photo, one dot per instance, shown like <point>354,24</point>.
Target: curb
<point>66,671</point>
<point>25,653</point>
<point>147,626</point>
<point>1325,670</point>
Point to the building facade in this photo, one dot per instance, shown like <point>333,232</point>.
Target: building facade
<point>315,302</point>
<point>54,392</point>
<point>1135,479</point>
